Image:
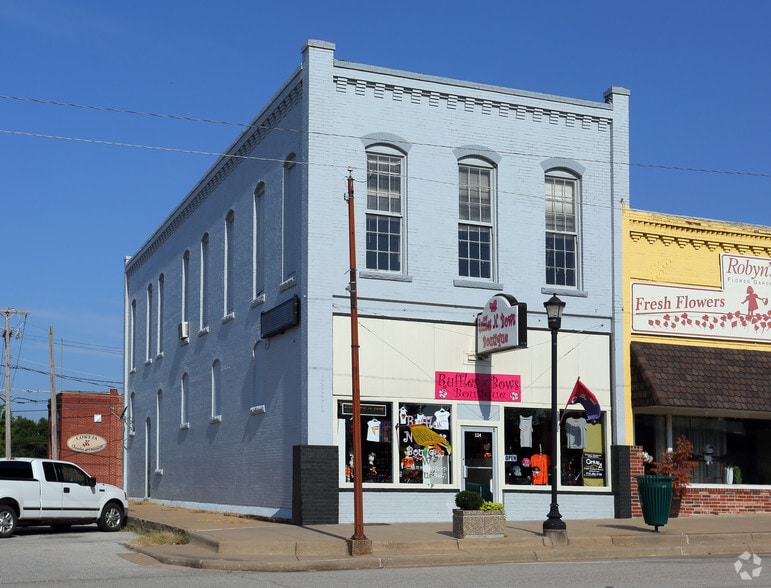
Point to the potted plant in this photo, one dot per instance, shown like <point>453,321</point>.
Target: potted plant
<point>476,517</point>
<point>680,465</point>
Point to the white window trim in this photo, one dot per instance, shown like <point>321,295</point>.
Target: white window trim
<point>568,174</point>
<point>391,151</point>
<point>467,281</point>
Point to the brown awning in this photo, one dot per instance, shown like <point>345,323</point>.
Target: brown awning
<point>682,378</point>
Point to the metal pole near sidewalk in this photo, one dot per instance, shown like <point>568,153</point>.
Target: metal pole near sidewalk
<point>359,544</point>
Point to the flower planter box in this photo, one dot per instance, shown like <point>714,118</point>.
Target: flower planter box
<point>478,523</point>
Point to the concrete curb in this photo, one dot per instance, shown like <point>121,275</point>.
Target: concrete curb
<point>205,551</point>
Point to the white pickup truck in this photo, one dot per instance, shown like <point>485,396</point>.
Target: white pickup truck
<point>57,493</point>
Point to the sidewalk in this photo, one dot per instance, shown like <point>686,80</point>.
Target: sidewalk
<point>228,542</point>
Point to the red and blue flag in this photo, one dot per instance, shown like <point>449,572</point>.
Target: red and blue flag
<point>586,398</point>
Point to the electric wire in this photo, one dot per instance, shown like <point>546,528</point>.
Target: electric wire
<point>257,126</point>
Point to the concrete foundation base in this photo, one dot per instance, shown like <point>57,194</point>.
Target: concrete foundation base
<point>359,546</point>
<point>556,536</point>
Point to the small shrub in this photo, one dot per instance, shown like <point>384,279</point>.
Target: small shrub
<point>468,500</point>
<point>737,475</point>
<point>488,505</point>
<point>679,464</point>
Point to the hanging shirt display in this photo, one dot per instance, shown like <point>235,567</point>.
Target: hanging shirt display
<point>525,431</point>
<point>442,419</point>
<point>540,465</point>
<point>373,430</point>
<point>575,429</point>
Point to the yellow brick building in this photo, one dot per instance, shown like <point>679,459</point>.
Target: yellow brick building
<point>698,351</point>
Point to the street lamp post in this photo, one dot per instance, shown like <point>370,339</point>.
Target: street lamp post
<point>554,523</point>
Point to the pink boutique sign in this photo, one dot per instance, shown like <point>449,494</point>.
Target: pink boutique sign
<point>474,387</point>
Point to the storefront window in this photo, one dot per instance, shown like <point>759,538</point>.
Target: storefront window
<point>376,442</point>
<point>527,436</point>
<point>425,444</point>
<point>723,448</point>
<point>583,450</point>
<point>529,453</point>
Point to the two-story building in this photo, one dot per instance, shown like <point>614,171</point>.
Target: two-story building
<point>469,200</point>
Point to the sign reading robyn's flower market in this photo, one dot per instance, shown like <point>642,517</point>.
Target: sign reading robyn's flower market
<point>739,309</point>
<point>87,443</point>
<point>501,325</point>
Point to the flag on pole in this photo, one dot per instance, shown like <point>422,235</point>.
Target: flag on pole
<point>586,398</point>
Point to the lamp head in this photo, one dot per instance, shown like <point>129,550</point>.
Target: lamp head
<point>554,307</point>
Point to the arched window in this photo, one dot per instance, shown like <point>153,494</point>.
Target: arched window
<point>149,325</point>
<point>562,192</point>
<point>203,297</point>
<point>158,403</point>
<point>291,216</point>
<point>131,422</point>
<point>258,241</point>
<point>229,264</point>
<point>385,209</point>
<point>132,345</point>
<point>476,215</point>
<point>258,384</point>
<point>184,421</point>
<point>159,318</point>
<point>216,392</point>
<point>185,297</point>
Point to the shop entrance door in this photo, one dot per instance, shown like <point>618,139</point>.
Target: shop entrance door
<point>479,461</point>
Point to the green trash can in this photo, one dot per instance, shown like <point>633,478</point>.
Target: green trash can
<point>655,493</point>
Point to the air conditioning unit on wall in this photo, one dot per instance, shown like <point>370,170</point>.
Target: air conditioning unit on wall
<point>184,330</point>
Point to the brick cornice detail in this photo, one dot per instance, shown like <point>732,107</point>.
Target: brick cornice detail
<point>473,104</point>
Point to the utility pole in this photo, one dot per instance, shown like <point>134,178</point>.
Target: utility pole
<point>53,424</point>
<point>360,545</point>
<point>7,336</point>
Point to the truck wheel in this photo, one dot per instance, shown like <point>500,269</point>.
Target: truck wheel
<point>112,517</point>
<point>7,521</point>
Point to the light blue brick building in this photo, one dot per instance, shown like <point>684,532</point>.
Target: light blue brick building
<point>238,331</point>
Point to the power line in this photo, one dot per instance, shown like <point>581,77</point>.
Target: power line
<point>251,126</point>
<point>83,380</point>
<point>85,346</point>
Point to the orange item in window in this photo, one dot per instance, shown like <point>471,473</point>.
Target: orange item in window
<point>540,467</point>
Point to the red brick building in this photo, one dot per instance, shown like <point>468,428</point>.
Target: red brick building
<point>90,433</point>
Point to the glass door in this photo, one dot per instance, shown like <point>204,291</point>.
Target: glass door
<point>479,461</point>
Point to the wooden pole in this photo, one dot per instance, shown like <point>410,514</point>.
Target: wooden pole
<point>53,425</point>
<point>357,469</point>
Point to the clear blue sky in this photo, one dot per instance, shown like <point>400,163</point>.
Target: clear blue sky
<point>698,71</point>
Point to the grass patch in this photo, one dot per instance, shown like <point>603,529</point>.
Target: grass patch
<point>148,537</point>
<point>149,534</point>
